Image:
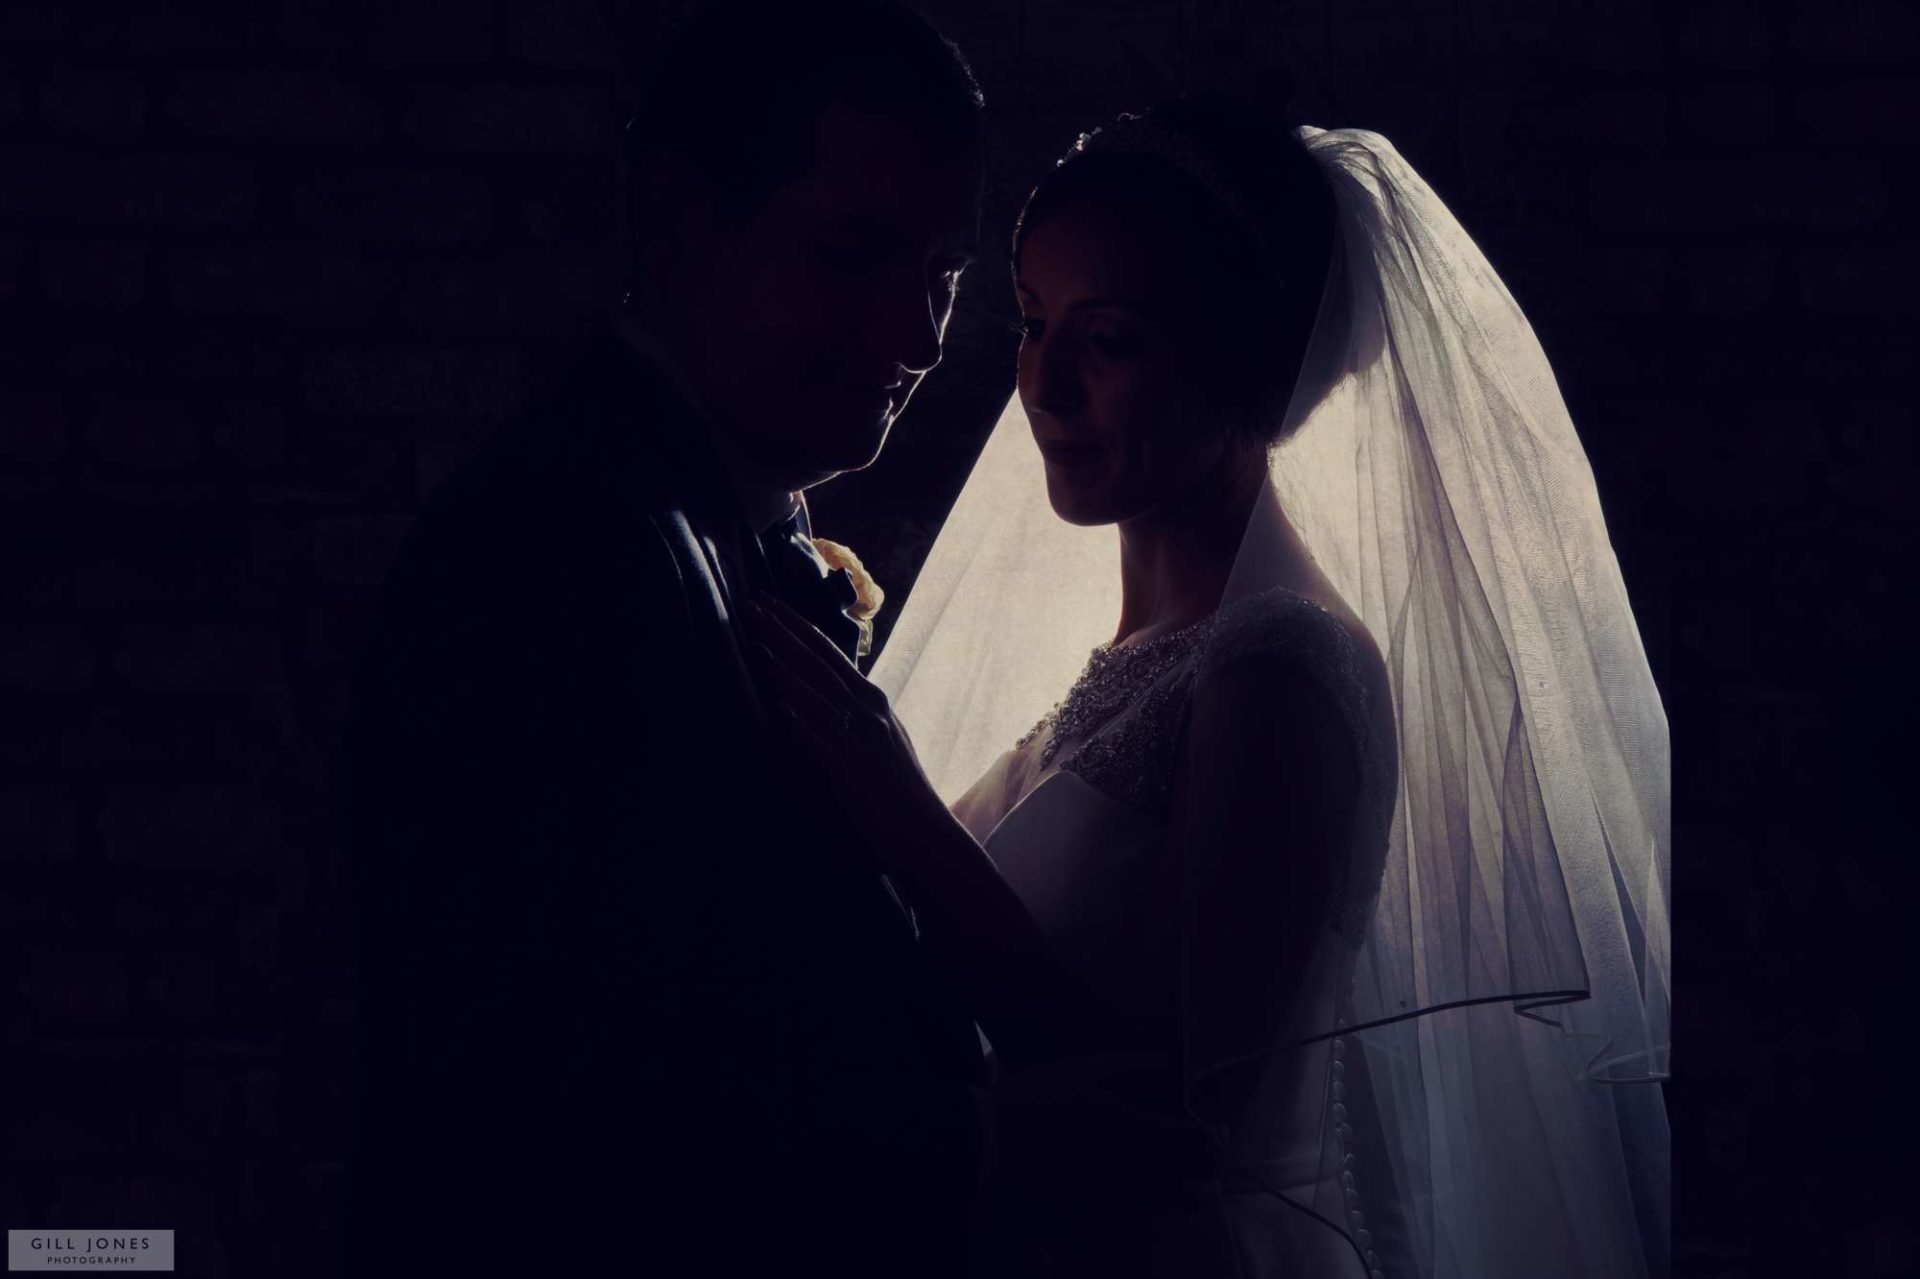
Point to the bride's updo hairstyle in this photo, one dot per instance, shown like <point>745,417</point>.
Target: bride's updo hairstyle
<point>1247,217</point>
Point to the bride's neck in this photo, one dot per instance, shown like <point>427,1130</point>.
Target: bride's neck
<point>1176,559</point>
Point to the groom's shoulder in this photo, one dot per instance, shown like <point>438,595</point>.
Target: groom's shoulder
<point>548,506</point>
<point>603,432</point>
<point>579,468</point>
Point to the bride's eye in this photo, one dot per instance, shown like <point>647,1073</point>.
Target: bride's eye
<point>1113,342</point>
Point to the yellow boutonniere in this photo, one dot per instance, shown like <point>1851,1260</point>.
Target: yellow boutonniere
<point>869,596</point>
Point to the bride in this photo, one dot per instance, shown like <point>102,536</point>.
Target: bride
<point>1320,927</point>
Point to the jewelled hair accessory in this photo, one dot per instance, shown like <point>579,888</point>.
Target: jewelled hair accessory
<point>1139,134</point>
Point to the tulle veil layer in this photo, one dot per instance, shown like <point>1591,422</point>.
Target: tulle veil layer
<point>1484,1085</point>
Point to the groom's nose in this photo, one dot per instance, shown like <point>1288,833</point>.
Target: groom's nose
<point>912,324</point>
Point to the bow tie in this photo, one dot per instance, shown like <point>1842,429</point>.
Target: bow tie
<point>803,581</point>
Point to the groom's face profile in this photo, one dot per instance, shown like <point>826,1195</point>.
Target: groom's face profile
<point>813,318</point>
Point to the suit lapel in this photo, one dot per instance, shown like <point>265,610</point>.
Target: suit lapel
<point>706,528</point>
<point>646,429</point>
<point>708,570</point>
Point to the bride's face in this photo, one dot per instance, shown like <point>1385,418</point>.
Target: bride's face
<point>1108,368</point>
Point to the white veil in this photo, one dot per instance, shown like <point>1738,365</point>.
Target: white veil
<point>1508,1005</point>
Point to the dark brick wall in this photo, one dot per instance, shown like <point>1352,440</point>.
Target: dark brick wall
<point>270,271</point>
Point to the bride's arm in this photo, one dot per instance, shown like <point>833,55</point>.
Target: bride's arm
<point>1264,814</point>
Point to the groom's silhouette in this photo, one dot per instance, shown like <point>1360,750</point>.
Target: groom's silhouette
<point>626,989</point>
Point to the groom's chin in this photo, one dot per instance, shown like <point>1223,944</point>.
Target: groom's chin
<point>863,446</point>
<point>841,450</point>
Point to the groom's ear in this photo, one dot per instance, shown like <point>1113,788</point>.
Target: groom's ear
<point>675,213</point>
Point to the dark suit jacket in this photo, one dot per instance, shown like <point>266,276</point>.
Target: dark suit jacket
<point>620,977</point>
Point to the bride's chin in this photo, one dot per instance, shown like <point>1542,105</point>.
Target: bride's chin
<point>1077,508</point>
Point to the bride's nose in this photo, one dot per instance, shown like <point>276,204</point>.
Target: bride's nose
<point>1050,381</point>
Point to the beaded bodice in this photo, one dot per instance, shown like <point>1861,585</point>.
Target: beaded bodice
<point>1114,677</point>
<point>1141,686</point>
<point>1123,723</point>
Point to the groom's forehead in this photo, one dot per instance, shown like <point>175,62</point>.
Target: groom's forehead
<point>867,165</point>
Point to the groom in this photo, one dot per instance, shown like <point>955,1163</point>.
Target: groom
<point>630,998</point>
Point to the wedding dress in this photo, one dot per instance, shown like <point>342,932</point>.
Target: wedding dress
<point>1075,817</point>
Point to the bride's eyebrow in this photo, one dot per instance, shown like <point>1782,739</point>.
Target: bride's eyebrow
<point>1090,304</point>
<point>1104,303</point>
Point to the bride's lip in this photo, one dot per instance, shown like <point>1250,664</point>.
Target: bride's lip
<point>1066,453</point>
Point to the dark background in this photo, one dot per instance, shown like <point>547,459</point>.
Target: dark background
<point>269,271</point>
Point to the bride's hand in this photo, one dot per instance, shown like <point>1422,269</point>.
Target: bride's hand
<point>974,923</point>
<point>846,725</point>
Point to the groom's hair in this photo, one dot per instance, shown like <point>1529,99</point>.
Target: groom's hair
<point>736,90</point>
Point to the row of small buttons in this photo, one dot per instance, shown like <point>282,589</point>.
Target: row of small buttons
<point>1356,1219</point>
